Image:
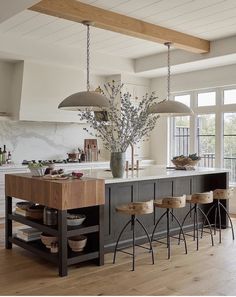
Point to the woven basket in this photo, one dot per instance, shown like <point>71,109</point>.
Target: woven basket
<point>185,162</point>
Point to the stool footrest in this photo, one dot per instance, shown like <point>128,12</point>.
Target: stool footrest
<point>143,247</point>
<point>122,251</point>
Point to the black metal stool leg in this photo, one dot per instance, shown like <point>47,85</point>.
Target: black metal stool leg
<point>188,213</point>
<point>172,217</point>
<point>228,218</point>
<point>133,219</point>
<point>168,231</point>
<point>207,214</point>
<point>197,226</point>
<point>148,237</point>
<point>126,225</point>
<point>204,215</point>
<point>215,220</point>
<point>158,221</point>
<point>219,214</point>
<point>194,222</point>
<point>181,230</point>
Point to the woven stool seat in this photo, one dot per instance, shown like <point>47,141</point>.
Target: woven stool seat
<point>171,202</point>
<point>200,198</point>
<point>223,194</point>
<point>136,208</point>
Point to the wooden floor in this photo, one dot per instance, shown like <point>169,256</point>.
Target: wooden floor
<point>210,271</point>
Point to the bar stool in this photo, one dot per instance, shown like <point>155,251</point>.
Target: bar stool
<point>198,199</point>
<point>220,194</point>
<point>170,203</point>
<point>133,209</point>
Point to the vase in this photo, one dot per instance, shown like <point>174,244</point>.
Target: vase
<point>117,164</point>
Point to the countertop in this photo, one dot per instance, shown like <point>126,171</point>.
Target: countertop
<point>71,166</point>
<point>149,173</point>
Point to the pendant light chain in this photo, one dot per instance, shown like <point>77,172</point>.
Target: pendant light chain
<point>88,56</point>
<point>168,73</point>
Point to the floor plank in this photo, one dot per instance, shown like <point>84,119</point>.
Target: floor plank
<point>209,271</point>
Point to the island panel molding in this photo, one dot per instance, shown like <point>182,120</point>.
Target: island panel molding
<point>58,194</point>
<point>78,12</point>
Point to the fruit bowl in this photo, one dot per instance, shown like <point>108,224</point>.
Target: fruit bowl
<point>37,169</point>
<point>182,161</point>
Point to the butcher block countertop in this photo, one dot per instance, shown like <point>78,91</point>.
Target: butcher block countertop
<point>58,194</point>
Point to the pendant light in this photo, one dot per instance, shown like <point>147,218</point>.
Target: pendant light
<point>86,100</point>
<point>169,107</point>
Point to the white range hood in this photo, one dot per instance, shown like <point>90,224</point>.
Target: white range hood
<point>37,90</point>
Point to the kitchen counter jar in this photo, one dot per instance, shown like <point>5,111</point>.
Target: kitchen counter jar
<point>50,216</point>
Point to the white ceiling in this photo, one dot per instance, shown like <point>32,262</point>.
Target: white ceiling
<point>209,19</point>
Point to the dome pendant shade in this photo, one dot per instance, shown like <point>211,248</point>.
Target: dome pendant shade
<point>87,100</point>
<point>171,108</point>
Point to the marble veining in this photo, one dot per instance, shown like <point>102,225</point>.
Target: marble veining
<point>42,140</point>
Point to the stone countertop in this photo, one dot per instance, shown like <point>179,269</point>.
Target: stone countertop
<point>70,166</point>
<point>150,173</point>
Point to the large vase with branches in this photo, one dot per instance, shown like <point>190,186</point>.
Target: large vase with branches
<point>122,123</point>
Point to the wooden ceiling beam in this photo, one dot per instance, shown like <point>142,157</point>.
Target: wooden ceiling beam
<point>76,11</point>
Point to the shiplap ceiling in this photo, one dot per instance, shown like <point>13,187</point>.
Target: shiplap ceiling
<point>209,19</point>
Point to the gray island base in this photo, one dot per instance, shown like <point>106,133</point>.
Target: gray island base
<point>152,183</point>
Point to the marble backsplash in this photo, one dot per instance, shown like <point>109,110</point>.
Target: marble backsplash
<point>42,140</point>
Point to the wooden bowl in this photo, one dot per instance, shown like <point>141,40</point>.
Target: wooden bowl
<point>48,240</point>
<point>35,212</point>
<point>23,205</point>
<point>77,243</point>
<point>185,162</point>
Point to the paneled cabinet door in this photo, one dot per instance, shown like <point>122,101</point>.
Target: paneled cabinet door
<point>164,189</point>
<point>116,195</point>
<point>147,191</point>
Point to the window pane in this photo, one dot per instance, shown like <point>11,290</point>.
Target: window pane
<point>230,144</point>
<point>185,99</point>
<point>206,99</point>
<point>206,139</point>
<point>181,136</point>
<point>230,96</point>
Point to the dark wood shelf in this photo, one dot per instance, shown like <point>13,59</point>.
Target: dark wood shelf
<point>71,231</point>
<point>35,224</point>
<point>36,247</point>
<point>82,229</point>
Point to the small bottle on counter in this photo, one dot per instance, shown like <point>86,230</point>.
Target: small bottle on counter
<point>9,160</point>
<point>4,155</point>
<point>82,157</point>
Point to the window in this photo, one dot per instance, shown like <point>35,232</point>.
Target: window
<point>206,99</point>
<point>230,96</point>
<point>230,144</point>
<point>181,130</point>
<point>206,139</point>
<point>211,131</point>
<point>181,136</point>
<point>185,99</point>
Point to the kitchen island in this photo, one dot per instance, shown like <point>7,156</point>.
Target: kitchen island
<point>154,182</point>
<point>145,184</point>
<point>79,196</point>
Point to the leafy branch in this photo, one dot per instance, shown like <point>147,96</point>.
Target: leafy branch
<point>126,123</point>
